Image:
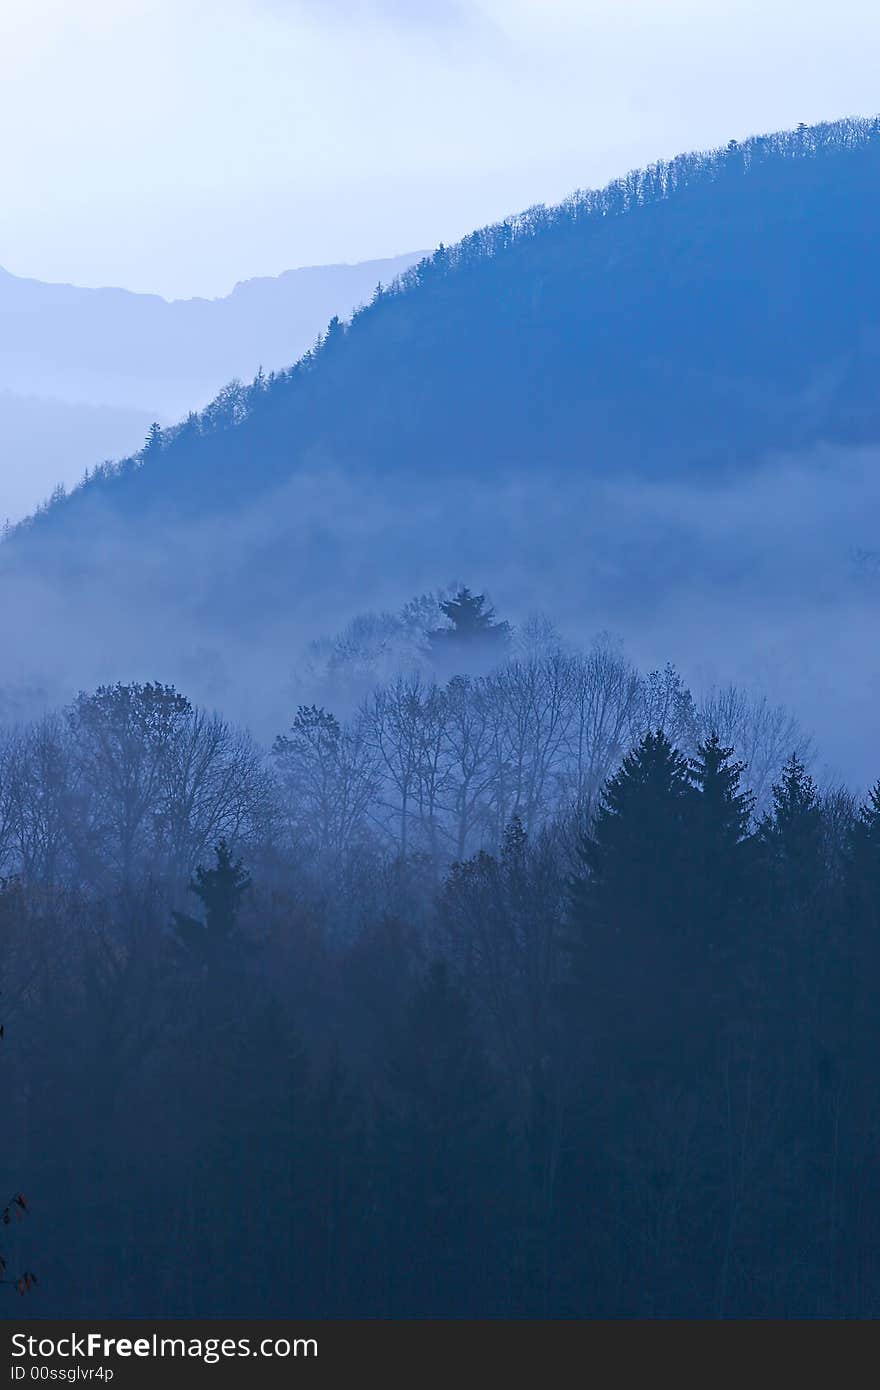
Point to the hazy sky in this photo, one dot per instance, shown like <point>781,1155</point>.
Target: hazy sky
<point>181,145</point>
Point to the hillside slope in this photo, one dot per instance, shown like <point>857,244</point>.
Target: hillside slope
<point>652,410</point>
<point>138,351</point>
<point>695,314</point>
<point>83,372</point>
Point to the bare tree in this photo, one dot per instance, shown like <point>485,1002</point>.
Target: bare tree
<point>433,770</point>
<point>6,802</point>
<point>605,699</point>
<point>392,728</point>
<point>529,707</point>
<point>124,736</point>
<point>666,703</point>
<point>469,769</point>
<point>763,734</point>
<point>45,804</point>
<point>328,778</point>
<point>216,788</point>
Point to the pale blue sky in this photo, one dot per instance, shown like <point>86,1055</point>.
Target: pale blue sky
<point>181,145</point>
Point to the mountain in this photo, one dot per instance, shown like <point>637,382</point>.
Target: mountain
<point>656,401</point>
<point>46,441</point>
<point>83,372</point>
<point>139,351</point>
<point>695,313</point>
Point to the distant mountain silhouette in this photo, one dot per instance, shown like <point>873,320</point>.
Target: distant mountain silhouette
<point>84,371</point>
<point>45,441</point>
<point>142,352</point>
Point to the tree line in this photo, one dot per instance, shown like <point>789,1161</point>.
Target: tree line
<point>133,783</point>
<point>513,995</point>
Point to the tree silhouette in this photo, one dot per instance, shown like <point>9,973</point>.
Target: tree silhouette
<point>632,908</point>
<point>721,872</point>
<point>220,890</point>
<point>866,842</point>
<point>864,869</point>
<point>634,859</point>
<point>153,441</point>
<point>724,809</point>
<point>474,628</point>
<point>721,821</point>
<point>790,835</point>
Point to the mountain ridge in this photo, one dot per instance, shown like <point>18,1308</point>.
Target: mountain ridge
<point>112,346</point>
<point>724,297</point>
<point>376,262</point>
<point>84,371</point>
<point>651,411</point>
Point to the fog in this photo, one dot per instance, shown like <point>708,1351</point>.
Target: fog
<point>83,373</point>
<point>768,578</point>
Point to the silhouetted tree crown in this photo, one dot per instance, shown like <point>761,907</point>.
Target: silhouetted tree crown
<point>473,625</point>
<point>867,827</point>
<point>865,856</point>
<point>795,814</point>
<point>790,834</point>
<point>642,823</point>
<point>220,890</point>
<point>153,441</point>
<point>723,809</point>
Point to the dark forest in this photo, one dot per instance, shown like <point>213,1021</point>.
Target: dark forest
<point>474,962</point>
<point>517,994</point>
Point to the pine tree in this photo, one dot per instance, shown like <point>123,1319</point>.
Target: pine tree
<point>865,860</point>
<point>724,809</point>
<point>153,441</point>
<point>474,628</point>
<point>790,836</point>
<point>797,912</point>
<point>722,813</point>
<point>220,890</point>
<point>722,881</point>
<point>635,859</point>
<point>631,908</point>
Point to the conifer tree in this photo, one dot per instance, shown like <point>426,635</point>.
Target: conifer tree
<point>721,874</point>
<point>153,441</point>
<point>474,628</point>
<point>220,890</point>
<point>790,835</point>
<point>722,814</point>
<point>635,859</point>
<point>724,809</point>
<point>865,860</point>
<point>631,906</point>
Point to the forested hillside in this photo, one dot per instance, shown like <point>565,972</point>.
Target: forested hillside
<point>651,409</point>
<point>440,755</point>
<point>84,372</point>
<point>694,314</point>
<point>513,995</point>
